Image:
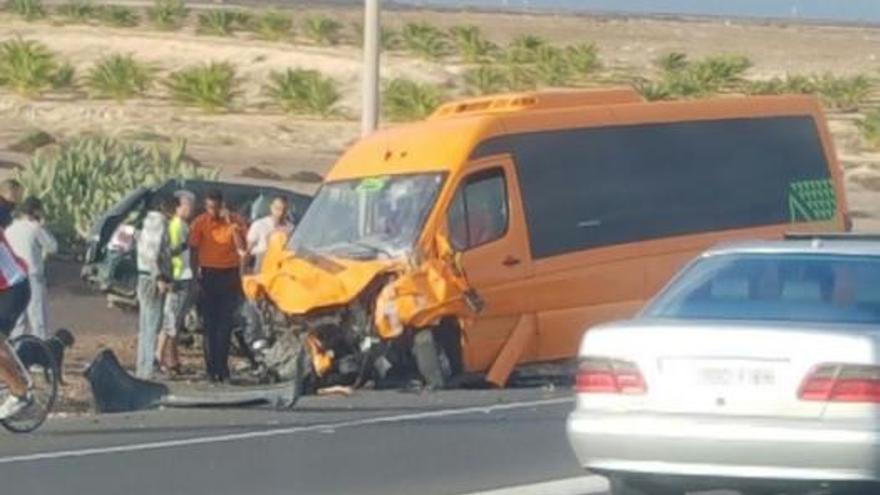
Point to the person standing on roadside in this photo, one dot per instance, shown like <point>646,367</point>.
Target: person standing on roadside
<point>218,249</point>
<point>154,275</point>
<point>179,299</point>
<point>277,221</point>
<point>33,243</point>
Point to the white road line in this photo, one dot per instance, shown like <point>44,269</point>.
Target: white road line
<point>581,485</point>
<point>166,444</point>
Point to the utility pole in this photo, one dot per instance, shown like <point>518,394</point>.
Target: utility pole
<point>372,33</point>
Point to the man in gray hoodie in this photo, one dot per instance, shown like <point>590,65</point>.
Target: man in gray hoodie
<point>154,276</point>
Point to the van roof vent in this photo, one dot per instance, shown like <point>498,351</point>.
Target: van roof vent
<point>533,101</point>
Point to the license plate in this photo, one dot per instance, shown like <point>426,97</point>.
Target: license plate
<point>725,374</point>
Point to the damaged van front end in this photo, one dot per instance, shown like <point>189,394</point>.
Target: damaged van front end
<point>345,297</point>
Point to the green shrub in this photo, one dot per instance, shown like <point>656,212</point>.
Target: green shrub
<point>472,46</point>
<point>27,67</point>
<point>77,11</point>
<point>681,78</point>
<point>552,66</point>
<point>790,84</point>
<point>485,79</point>
<point>405,99</point>
<point>211,86</point>
<point>272,25</point>
<point>64,76</point>
<point>523,49</point>
<point>28,9</point>
<point>870,129</point>
<point>844,93</point>
<point>322,30</point>
<point>168,14</point>
<point>672,61</point>
<point>584,58</point>
<point>425,40</point>
<point>389,39</point>
<point>118,16</point>
<point>80,179</point>
<point>119,77</point>
<point>219,22</point>
<point>304,91</point>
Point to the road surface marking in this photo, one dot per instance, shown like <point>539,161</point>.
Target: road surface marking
<point>581,485</point>
<point>280,431</point>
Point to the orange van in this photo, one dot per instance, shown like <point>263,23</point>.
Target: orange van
<point>499,229</point>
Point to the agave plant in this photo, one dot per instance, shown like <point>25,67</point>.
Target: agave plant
<point>29,9</point>
<point>485,79</point>
<point>64,76</point>
<point>552,66</point>
<point>523,49</point>
<point>118,16</point>
<point>844,93</point>
<point>425,40</point>
<point>27,67</point>
<point>652,90</point>
<point>584,58</point>
<point>790,84</point>
<point>211,86</point>
<point>405,99</point>
<point>219,22</point>
<point>119,77</point>
<point>472,46</point>
<point>273,25</point>
<point>304,91</point>
<point>672,61</point>
<point>77,11</point>
<point>869,128</point>
<point>322,30</point>
<point>720,70</point>
<point>81,178</point>
<point>389,39</point>
<point>168,14</point>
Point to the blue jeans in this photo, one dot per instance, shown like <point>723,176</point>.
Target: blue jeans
<point>150,307</point>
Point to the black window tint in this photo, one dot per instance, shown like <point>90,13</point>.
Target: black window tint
<point>585,188</point>
<point>478,212</point>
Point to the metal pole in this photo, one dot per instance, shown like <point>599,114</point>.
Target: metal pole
<point>370,111</point>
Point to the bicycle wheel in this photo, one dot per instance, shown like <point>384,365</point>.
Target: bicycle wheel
<point>40,363</point>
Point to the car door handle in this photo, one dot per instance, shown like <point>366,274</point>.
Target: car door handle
<point>510,261</point>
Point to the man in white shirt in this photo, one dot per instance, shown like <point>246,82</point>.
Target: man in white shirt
<point>33,243</point>
<point>261,230</point>
<point>258,235</point>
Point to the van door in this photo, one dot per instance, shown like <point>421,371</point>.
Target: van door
<point>485,222</point>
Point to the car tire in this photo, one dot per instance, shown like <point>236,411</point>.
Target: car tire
<point>428,361</point>
<point>625,485</point>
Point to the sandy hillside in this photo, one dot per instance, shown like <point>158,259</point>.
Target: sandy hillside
<point>254,134</point>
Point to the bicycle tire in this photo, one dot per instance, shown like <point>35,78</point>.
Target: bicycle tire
<point>33,351</point>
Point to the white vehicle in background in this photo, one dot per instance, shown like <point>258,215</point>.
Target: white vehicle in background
<point>757,369</point>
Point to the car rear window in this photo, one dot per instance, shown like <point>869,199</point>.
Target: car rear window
<point>796,287</point>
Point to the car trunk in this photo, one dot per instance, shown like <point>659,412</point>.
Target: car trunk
<point>735,369</point>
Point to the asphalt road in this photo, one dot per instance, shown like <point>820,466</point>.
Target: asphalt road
<point>372,443</point>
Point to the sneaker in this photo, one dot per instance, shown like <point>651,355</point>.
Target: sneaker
<point>14,405</point>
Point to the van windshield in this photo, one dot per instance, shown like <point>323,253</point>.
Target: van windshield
<point>367,218</point>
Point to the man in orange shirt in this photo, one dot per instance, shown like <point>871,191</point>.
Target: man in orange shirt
<point>217,241</point>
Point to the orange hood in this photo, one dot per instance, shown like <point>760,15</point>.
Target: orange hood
<point>300,284</point>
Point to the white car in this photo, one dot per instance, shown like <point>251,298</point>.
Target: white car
<point>756,369</point>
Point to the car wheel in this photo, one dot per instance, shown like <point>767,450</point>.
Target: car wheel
<point>625,485</point>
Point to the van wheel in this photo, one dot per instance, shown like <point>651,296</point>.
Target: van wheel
<point>625,485</point>
<point>428,359</point>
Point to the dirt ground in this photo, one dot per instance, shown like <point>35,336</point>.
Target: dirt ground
<point>253,135</point>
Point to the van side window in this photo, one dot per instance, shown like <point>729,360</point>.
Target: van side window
<point>478,212</point>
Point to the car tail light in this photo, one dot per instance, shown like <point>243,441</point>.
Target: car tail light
<point>609,376</point>
<point>842,383</point>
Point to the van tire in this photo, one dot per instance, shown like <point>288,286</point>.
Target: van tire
<point>427,356</point>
